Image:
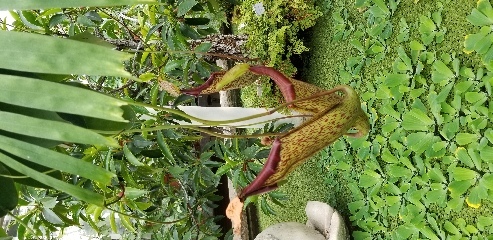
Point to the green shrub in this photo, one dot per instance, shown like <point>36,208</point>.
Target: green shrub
<point>274,34</point>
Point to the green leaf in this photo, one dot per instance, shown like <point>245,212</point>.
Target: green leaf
<point>416,120</point>
<point>474,198</point>
<point>466,138</point>
<point>403,56</point>
<point>359,3</point>
<point>85,21</point>
<point>393,80</point>
<point>131,158</point>
<point>487,181</point>
<point>456,203</point>
<point>458,188</point>
<point>55,160</point>
<point>405,231</point>
<point>439,146</point>
<point>51,217</point>
<point>463,86</point>
<point>442,72</point>
<point>472,40</point>
<point>420,141</point>
<point>461,174</point>
<point>473,97</point>
<point>417,46</point>
<point>223,169</point>
<point>148,76</point>
<point>134,193</point>
<point>203,47</point>
<point>35,5</point>
<point>59,56</point>
<point>487,154</point>
<point>54,130</point>
<point>436,175</point>
<point>388,157</point>
<point>29,20</point>
<point>451,228</point>
<point>436,196</point>
<point>76,191</point>
<point>366,181</point>
<point>68,99</point>
<point>185,6</point>
<point>163,146</point>
<point>395,170</point>
<point>450,129</point>
<point>463,156</point>
<point>484,221</point>
<point>484,6</point>
<point>176,171</point>
<point>57,19</point>
<point>479,19</point>
<point>427,26</point>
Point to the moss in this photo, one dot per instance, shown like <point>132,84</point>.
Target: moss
<point>304,184</point>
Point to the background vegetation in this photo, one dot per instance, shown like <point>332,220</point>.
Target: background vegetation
<point>423,69</point>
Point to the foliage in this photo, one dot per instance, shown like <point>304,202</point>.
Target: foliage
<point>424,171</point>
<point>164,185</point>
<point>244,158</point>
<point>274,35</point>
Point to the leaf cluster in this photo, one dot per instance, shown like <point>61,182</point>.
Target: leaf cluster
<point>274,35</point>
<point>424,171</point>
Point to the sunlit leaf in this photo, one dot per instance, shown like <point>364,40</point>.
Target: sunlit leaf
<point>463,156</point>
<point>395,170</point>
<point>416,120</point>
<point>473,97</point>
<point>461,174</point>
<point>487,154</point>
<point>393,80</point>
<point>59,56</point>
<point>405,231</point>
<point>479,19</point>
<point>474,199</point>
<point>68,99</point>
<point>466,138</point>
<point>451,228</point>
<point>458,188</point>
<point>420,141</point>
<point>437,175</point>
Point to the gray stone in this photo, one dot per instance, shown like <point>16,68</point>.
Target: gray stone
<point>326,220</point>
<point>324,223</point>
<point>289,230</point>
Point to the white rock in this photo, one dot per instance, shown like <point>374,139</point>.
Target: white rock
<point>289,231</point>
<point>326,220</point>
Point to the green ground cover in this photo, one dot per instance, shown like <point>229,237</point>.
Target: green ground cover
<point>425,169</point>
